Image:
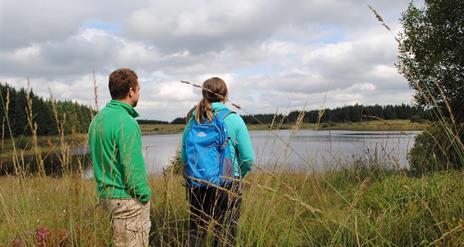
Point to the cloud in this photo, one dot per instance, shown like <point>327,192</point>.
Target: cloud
<point>273,54</point>
<point>28,22</point>
<point>203,25</point>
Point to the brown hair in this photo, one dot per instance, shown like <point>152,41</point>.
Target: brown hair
<point>214,90</point>
<point>121,81</point>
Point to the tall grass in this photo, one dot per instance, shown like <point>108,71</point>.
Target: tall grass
<point>363,203</point>
<point>394,210</point>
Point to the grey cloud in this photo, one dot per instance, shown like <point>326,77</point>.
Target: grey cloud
<point>26,22</point>
<point>73,56</point>
<point>202,26</point>
<point>277,54</point>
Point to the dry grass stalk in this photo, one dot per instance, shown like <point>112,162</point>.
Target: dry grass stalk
<point>95,91</point>
<point>33,127</point>
<point>321,111</point>
<point>60,125</point>
<point>299,120</point>
<point>15,157</point>
<point>381,20</point>
<point>4,121</point>
<point>353,205</point>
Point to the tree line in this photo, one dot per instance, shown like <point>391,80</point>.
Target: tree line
<point>148,121</point>
<point>354,113</point>
<point>15,105</point>
<point>75,118</point>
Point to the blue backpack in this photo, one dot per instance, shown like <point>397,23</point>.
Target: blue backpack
<point>208,158</point>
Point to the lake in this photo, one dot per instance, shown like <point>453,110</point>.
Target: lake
<point>304,150</point>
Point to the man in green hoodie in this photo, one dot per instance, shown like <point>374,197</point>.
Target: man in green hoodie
<point>116,148</point>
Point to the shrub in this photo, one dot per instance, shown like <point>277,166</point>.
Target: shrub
<point>437,148</point>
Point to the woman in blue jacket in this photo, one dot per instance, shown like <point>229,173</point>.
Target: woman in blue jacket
<point>212,204</point>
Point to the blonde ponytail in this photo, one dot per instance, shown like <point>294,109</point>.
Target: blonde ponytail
<point>203,111</point>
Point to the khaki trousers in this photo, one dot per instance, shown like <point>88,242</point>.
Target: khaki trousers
<point>130,221</point>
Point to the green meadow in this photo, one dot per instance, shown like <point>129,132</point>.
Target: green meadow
<point>364,205</point>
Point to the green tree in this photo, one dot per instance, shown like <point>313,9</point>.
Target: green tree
<point>18,119</point>
<point>432,60</point>
<point>432,55</point>
<point>77,118</point>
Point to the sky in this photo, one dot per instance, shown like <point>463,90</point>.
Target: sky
<point>275,55</point>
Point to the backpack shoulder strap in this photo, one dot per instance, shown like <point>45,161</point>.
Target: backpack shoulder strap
<point>222,114</point>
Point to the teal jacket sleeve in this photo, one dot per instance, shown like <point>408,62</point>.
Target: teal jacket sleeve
<point>244,146</point>
<point>130,155</point>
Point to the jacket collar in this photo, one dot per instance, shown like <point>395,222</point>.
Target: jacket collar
<point>119,104</point>
<point>217,106</point>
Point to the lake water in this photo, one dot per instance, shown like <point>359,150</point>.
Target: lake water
<point>304,150</point>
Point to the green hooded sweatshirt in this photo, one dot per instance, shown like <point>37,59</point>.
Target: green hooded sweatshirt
<point>115,142</point>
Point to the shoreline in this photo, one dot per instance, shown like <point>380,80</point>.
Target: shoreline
<point>374,125</point>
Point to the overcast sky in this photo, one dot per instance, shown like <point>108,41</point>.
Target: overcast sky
<point>275,55</point>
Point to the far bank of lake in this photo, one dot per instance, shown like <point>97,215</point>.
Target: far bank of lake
<point>374,125</point>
